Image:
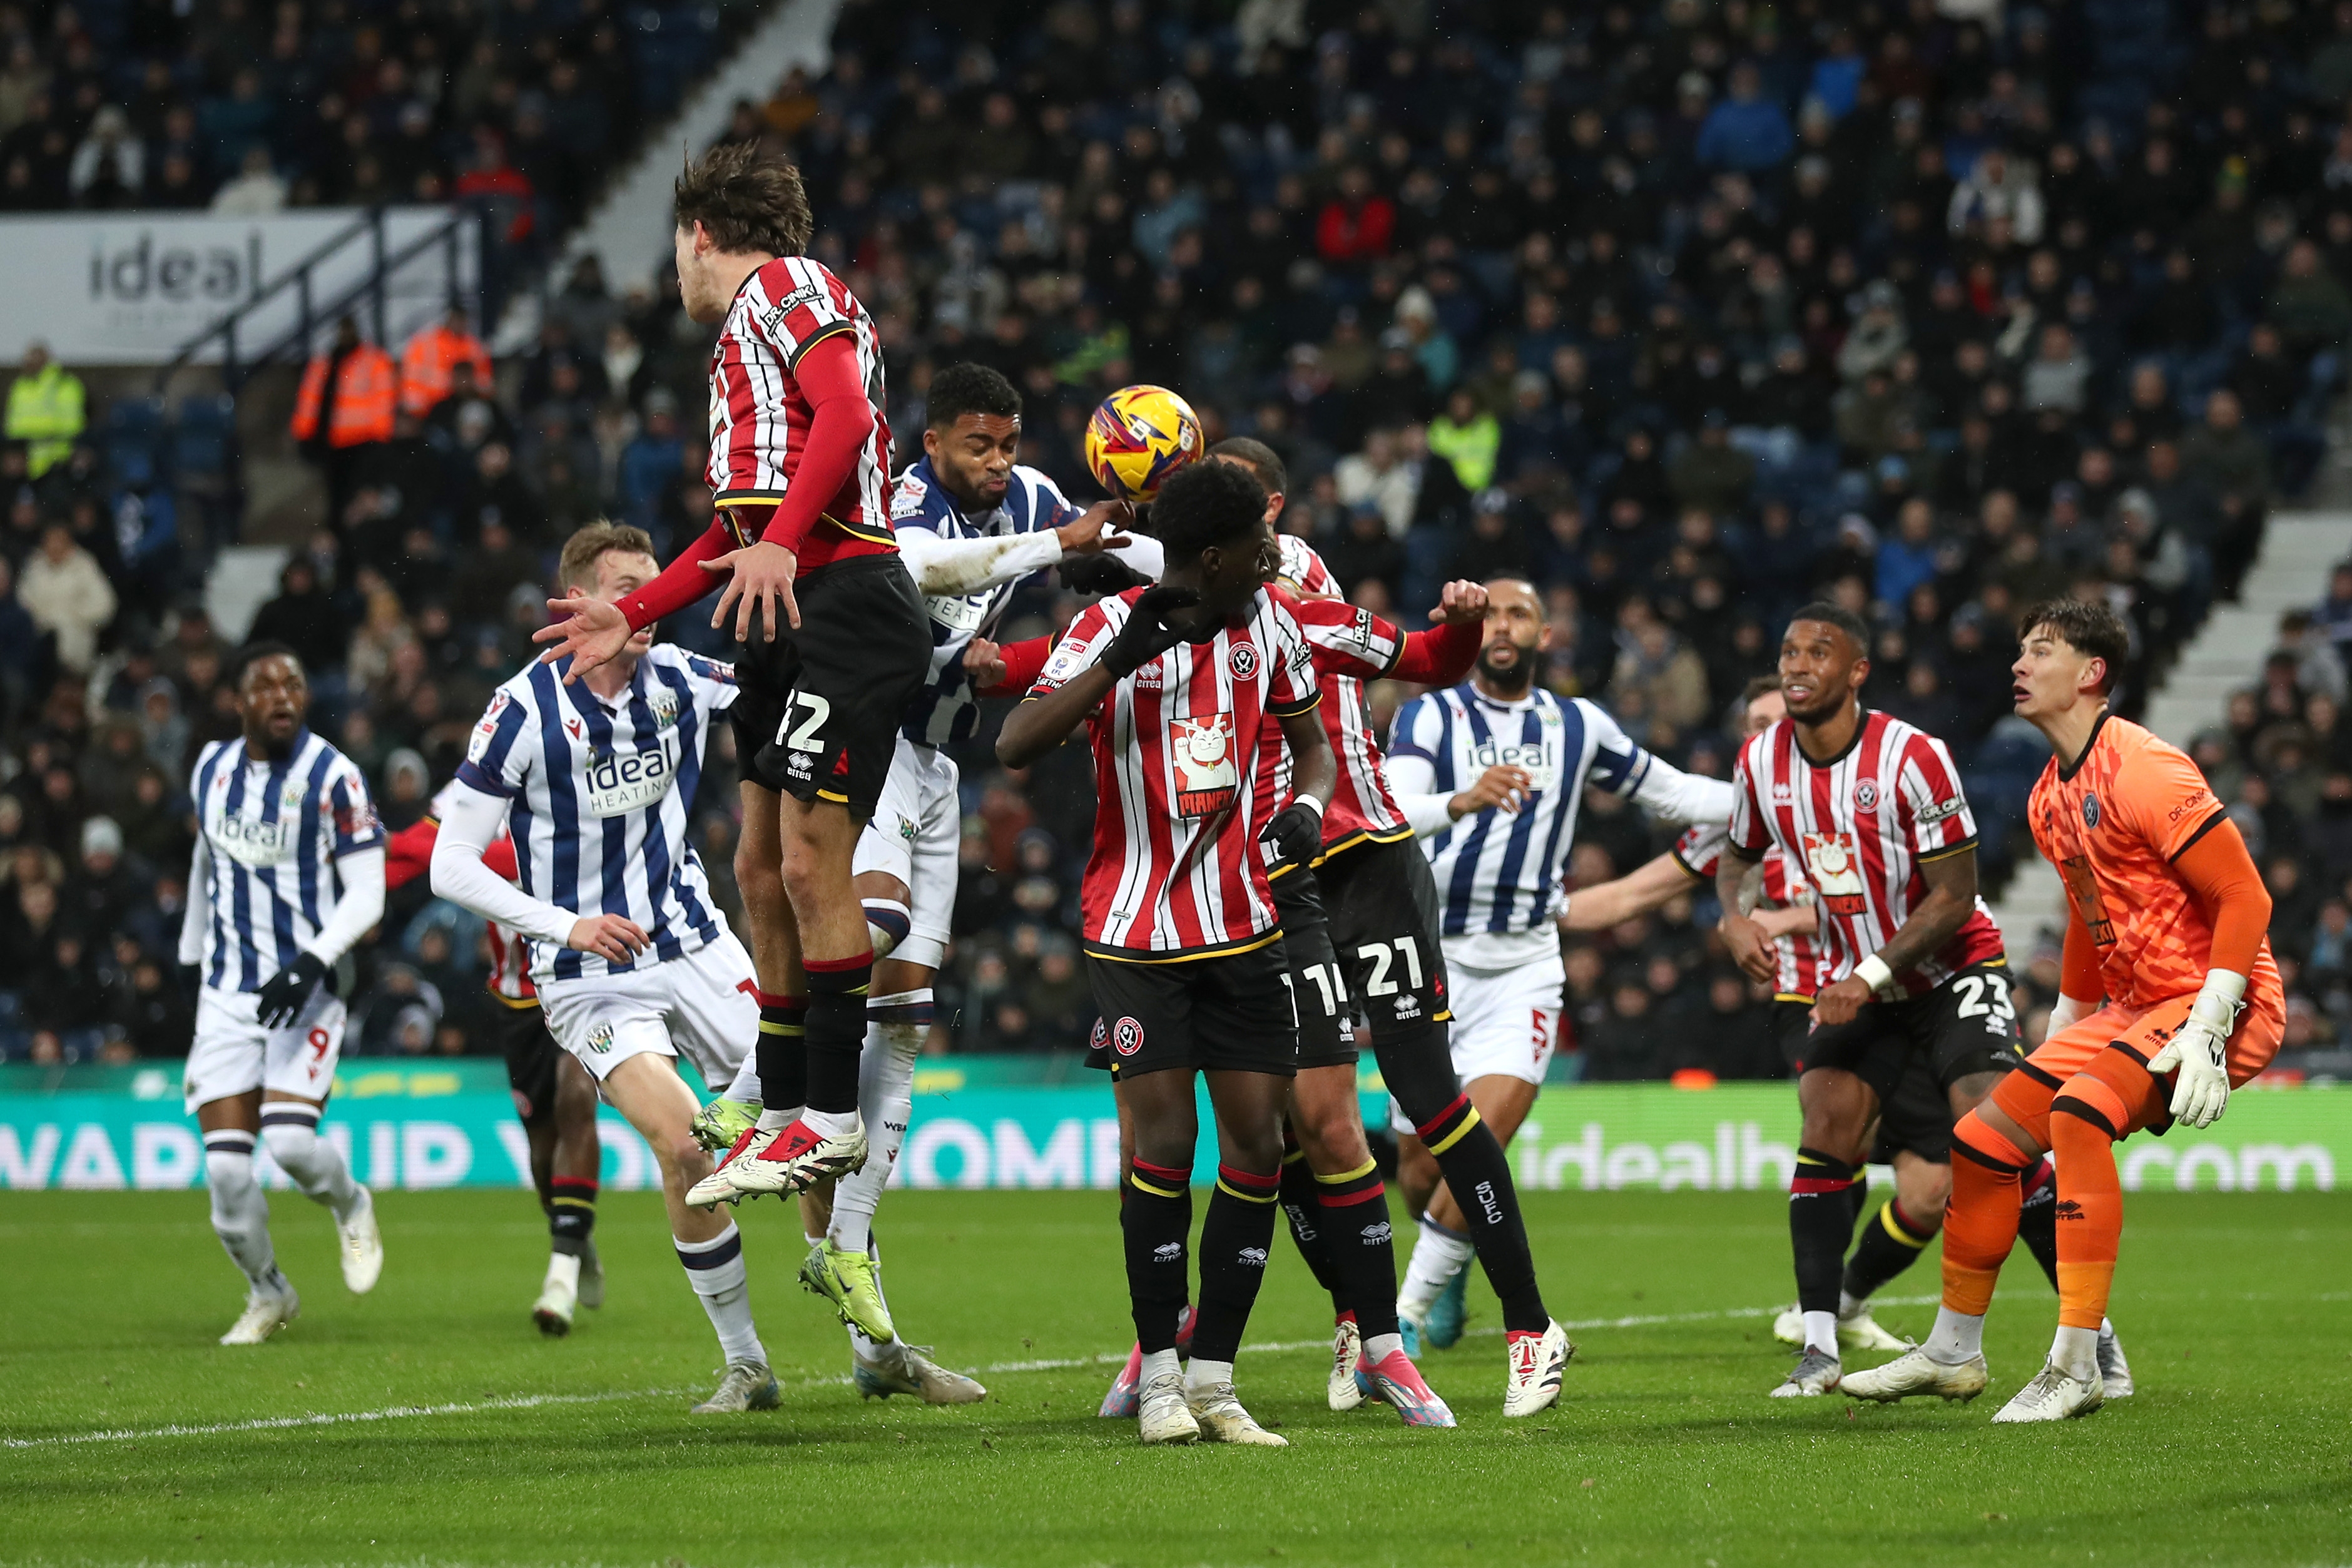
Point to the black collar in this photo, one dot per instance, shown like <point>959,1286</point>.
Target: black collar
<point>2066,771</point>
<point>1861,723</point>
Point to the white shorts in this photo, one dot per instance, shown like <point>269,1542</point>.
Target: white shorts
<point>913,835</point>
<point>704,1004</point>
<point>234,1054</point>
<point>1505,1022</point>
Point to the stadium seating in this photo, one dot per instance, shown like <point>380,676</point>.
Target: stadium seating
<point>1320,229</point>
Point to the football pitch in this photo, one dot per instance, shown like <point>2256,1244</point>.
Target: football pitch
<point>429,1422</point>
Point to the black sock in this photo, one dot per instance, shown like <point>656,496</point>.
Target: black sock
<point>1859,1196</point>
<point>1306,1217</point>
<point>2037,1217</point>
<point>1155,1216</point>
<point>837,1031</point>
<point>1355,1224</point>
<point>1234,1240</point>
<point>1891,1242</point>
<point>570,1214</point>
<point>1820,1224</point>
<point>782,1051</point>
<point>1480,1179</point>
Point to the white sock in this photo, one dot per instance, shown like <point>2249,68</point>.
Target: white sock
<point>872,1351</point>
<point>830,1123</point>
<point>1156,1362</point>
<point>291,1132</point>
<point>895,1028</point>
<point>1379,1347</point>
<point>776,1118</point>
<point>715,1269</point>
<point>1200,1374</point>
<point>1821,1332</point>
<point>563,1268</point>
<point>1851,1306</point>
<point>745,1084</point>
<point>2076,1353</point>
<point>241,1208</point>
<point>1438,1255</point>
<point>1956,1337</point>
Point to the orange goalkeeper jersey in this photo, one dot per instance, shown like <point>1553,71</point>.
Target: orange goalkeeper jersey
<point>2113,825</point>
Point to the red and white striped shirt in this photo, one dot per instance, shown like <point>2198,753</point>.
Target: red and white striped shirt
<point>1177,871</point>
<point>1797,957</point>
<point>1860,827</point>
<point>1350,647</point>
<point>759,417</point>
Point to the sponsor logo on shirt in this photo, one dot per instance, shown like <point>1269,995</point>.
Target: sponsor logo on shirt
<point>1202,749</point>
<point>614,783</point>
<point>1541,760</point>
<point>1837,872</point>
<point>249,841</point>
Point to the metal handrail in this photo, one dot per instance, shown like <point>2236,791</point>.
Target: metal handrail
<point>309,314</point>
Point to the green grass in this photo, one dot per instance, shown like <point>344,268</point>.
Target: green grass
<point>2237,1311</point>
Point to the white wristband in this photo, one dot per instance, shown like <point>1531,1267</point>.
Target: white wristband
<point>1309,801</point>
<point>1872,971</point>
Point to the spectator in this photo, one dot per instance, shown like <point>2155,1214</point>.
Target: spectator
<point>47,410</point>
<point>1468,438</point>
<point>1357,224</point>
<point>430,357</point>
<point>303,616</point>
<point>344,405</point>
<point>1997,189</point>
<point>257,192</point>
<point>1746,130</point>
<point>66,593</point>
<point>1710,474</point>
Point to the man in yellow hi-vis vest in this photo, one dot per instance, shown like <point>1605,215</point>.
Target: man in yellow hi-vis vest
<point>47,409</point>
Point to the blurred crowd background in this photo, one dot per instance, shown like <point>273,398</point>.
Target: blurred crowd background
<point>1686,312</point>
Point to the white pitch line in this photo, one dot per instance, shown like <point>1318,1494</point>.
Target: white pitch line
<point>995,1369</point>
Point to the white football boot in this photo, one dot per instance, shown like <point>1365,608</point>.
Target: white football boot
<point>1162,1412</point>
<point>361,1246</point>
<point>2055,1394</point>
<point>1221,1419</point>
<point>745,1386</point>
<point>1346,1351</point>
<point>1859,1333</point>
<point>1915,1372</point>
<point>2114,1372</point>
<point>266,1313</point>
<point>1814,1374</point>
<point>558,1295</point>
<point>1537,1364</point>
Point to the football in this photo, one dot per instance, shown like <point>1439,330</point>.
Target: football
<point>1138,436</point>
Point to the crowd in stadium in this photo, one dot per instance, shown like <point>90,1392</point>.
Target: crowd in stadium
<point>1687,313</point>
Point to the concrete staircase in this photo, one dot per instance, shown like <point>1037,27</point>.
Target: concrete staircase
<point>2298,550</point>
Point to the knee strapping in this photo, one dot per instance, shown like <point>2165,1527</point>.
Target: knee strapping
<point>887,923</point>
<point>228,1172</point>
<point>2090,1099</point>
<point>1976,1141</point>
<point>291,1133</point>
<point>904,1016</point>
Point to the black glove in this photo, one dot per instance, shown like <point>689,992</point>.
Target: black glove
<point>1100,572</point>
<point>1146,636</point>
<point>283,994</point>
<point>1295,833</point>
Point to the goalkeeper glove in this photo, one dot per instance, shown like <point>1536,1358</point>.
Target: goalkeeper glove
<point>2066,1012</point>
<point>283,994</point>
<point>1146,635</point>
<point>2198,1053</point>
<point>1296,834</point>
<point>1100,572</point>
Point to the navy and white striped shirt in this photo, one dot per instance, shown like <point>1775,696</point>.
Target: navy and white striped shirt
<point>598,794</point>
<point>273,831</point>
<point>1501,877</point>
<point>945,709</point>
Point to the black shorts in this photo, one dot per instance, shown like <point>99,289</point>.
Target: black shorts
<point>1382,906</point>
<point>1316,984</point>
<point>1965,1025</point>
<point>532,1059</point>
<point>1917,1117</point>
<point>1230,1012</point>
<point>817,713</point>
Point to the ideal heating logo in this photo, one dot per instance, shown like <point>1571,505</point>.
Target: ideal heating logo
<point>145,271</point>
